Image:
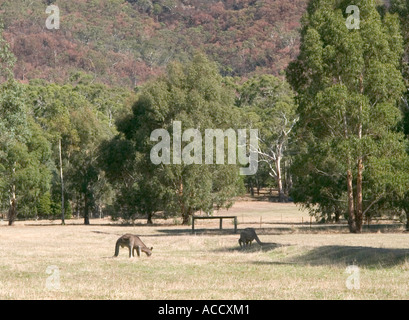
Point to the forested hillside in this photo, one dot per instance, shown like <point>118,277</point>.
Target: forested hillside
<point>122,42</point>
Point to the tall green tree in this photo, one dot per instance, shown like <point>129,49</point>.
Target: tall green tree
<point>349,83</point>
<point>194,95</point>
<point>24,153</point>
<point>13,117</point>
<point>76,119</point>
<point>83,171</point>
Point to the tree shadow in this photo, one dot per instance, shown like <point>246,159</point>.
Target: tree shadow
<point>188,231</point>
<point>265,246</point>
<point>348,255</point>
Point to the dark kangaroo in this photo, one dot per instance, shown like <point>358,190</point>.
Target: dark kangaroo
<point>247,236</point>
<point>133,242</point>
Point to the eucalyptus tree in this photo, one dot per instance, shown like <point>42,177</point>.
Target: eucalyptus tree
<point>349,84</point>
<point>192,95</point>
<point>75,121</point>
<point>24,152</point>
<point>270,105</point>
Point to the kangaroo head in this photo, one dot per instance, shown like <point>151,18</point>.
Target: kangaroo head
<point>149,251</point>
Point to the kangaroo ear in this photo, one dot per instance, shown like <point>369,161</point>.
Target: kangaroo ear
<point>151,248</point>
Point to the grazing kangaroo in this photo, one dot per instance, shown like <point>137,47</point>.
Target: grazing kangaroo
<point>247,236</point>
<point>133,242</point>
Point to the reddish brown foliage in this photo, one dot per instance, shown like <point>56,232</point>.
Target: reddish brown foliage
<point>119,43</point>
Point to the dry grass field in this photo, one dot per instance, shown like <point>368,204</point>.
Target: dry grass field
<point>44,260</point>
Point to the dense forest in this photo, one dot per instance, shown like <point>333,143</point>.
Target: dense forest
<point>126,42</point>
<point>78,106</point>
<point>73,89</point>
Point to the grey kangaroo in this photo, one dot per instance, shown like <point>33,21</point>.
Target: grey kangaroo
<point>133,242</point>
<point>247,236</point>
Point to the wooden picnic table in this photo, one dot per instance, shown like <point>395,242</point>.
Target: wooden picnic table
<point>215,217</point>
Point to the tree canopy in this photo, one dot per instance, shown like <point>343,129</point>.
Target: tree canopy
<point>194,96</point>
<point>349,86</point>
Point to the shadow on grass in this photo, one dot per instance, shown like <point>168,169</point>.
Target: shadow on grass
<point>361,256</point>
<point>348,255</point>
<point>188,231</point>
<point>266,246</point>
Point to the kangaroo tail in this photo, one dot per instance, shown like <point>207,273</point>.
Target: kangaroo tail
<point>117,248</point>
